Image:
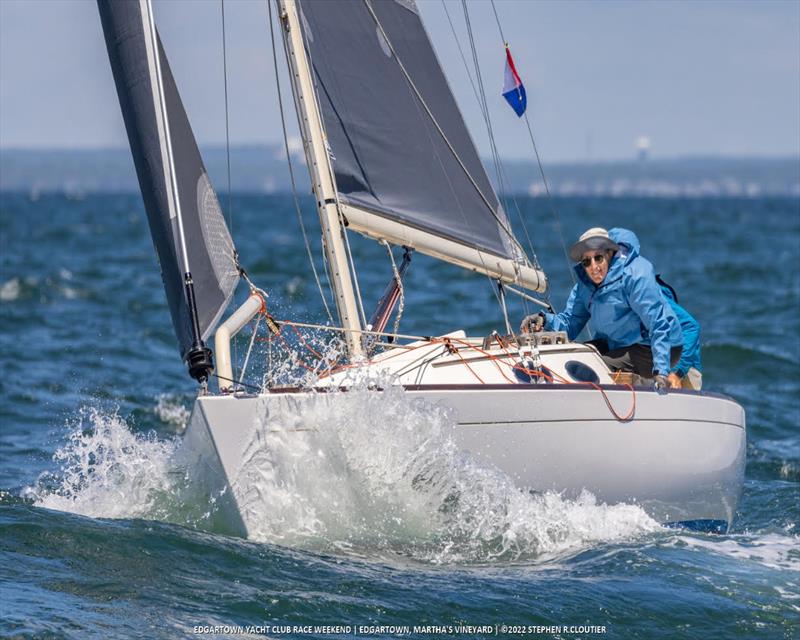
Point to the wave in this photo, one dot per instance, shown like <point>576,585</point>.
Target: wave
<point>373,472</point>
<point>772,550</point>
<point>59,285</point>
<point>729,355</point>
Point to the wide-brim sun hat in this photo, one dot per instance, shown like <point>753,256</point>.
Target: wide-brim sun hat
<point>595,239</point>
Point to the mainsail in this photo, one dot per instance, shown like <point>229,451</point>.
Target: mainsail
<point>406,169</point>
<point>186,222</point>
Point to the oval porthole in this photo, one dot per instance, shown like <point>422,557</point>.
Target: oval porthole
<point>581,372</point>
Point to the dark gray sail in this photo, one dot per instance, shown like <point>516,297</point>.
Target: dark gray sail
<point>387,154</point>
<point>173,181</point>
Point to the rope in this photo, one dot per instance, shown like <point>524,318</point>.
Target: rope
<point>450,344</point>
<point>399,280</point>
<point>291,168</point>
<point>497,19</point>
<point>501,178</point>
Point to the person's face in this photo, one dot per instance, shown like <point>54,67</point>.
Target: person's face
<point>596,265</point>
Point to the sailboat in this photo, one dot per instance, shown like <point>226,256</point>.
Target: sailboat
<point>390,158</point>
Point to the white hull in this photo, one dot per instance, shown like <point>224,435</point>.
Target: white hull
<point>681,458</point>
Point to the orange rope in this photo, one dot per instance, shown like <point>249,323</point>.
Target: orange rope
<point>448,342</point>
<point>455,351</point>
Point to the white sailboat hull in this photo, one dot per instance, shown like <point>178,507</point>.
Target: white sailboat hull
<point>681,457</point>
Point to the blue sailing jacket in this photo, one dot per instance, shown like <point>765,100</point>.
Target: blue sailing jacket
<point>690,356</point>
<point>627,308</point>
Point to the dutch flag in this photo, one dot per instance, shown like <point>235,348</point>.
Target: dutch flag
<point>513,89</point>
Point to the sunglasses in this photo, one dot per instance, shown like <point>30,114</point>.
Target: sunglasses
<point>599,258</point>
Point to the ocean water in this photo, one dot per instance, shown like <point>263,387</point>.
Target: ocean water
<point>103,535</point>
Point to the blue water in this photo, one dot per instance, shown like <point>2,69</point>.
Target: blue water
<point>99,537</point>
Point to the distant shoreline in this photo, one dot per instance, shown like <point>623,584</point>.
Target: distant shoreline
<point>263,170</point>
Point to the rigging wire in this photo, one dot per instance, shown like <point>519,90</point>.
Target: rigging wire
<point>495,153</point>
<point>228,149</point>
<point>553,209</point>
<point>342,223</point>
<point>352,265</point>
<point>298,212</point>
<point>501,223</point>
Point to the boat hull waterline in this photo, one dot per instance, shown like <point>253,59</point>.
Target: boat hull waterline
<point>681,457</point>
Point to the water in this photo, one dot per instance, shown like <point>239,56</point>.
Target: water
<point>382,524</point>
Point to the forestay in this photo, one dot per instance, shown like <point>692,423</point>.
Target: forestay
<point>405,166</point>
<point>185,219</point>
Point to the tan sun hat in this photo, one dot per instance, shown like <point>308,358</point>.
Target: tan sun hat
<point>595,239</point>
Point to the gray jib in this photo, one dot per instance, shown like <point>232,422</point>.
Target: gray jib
<point>154,115</point>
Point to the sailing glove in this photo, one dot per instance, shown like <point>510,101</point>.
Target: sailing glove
<point>661,384</point>
<point>532,323</point>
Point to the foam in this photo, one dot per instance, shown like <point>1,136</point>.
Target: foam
<point>772,550</point>
<point>10,290</point>
<point>171,411</point>
<point>372,469</point>
<point>361,472</point>
<point>108,471</point>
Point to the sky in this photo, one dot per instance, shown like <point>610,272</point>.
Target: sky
<point>695,78</point>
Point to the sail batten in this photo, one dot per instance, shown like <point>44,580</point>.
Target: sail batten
<point>398,144</point>
<point>183,212</point>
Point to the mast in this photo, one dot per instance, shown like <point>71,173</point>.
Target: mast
<point>404,164</point>
<point>322,180</point>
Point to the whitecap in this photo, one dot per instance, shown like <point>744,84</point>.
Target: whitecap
<point>171,410</point>
<point>10,290</point>
<point>772,550</point>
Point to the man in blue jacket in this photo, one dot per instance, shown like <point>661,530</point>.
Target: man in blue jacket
<point>635,328</point>
<point>687,374</point>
